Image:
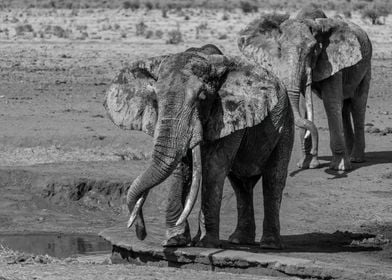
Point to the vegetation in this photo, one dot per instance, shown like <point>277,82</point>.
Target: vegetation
<point>245,5</point>
<point>375,13</point>
<point>174,36</point>
<point>248,7</point>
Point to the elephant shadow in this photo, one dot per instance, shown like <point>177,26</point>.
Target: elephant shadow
<point>371,158</point>
<point>315,242</point>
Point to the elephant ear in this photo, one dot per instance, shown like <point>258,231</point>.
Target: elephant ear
<point>259,41</point>
<point>340,48</point>
<point>245,99</point>
<point>130,100</point>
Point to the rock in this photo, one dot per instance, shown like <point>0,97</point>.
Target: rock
<point>372,129</point>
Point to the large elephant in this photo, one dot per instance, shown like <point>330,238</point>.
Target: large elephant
<point>211,117</point>
<point>329,56</point>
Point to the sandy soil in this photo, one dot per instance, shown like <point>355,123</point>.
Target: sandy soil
<point>51,95</point>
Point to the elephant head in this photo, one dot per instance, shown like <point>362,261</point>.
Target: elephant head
<point>300,51</point>
<point>183,100</point>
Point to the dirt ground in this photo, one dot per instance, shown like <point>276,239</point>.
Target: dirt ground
<point>55,135</point>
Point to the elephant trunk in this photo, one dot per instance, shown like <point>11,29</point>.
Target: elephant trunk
<point>161,167</point>
<point>294,94</point>
<point>168,151</point>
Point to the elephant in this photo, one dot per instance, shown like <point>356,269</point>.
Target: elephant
<point>331,57</point>
<point>211,116</point>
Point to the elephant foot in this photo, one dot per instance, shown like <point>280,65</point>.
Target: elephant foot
<point>179,240</point>
<point>304,162</point>
<point>341,163</point>
<point>357,157</point>
<point>271,242</point>
<point>241,237</point>
<point>308,161</point>
<point>208,242</point>
<point>314,163</point>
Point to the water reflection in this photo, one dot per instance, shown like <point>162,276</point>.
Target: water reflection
<point>55,244</point>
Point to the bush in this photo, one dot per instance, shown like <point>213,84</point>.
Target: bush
<point>134,5</point>
<point>159,34</point>
<point>56,30</point>
<point>149,5</point>
<point>164,12</point>
<point>141,28</point>
<point>149,34</point>
<point>375,13</point>
<point>347,14</point>
<point>174,37</point>
<point>248,7</point>
<point>222,37</point>
<point>21,29</point>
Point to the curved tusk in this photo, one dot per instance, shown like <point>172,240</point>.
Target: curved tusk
<point>196,182</point>
<point>309,98</point>
<point>136,209</point>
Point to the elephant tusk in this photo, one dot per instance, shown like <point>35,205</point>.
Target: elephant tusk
<point>309,98</point>
<point>136,209</point>
<point>196,182</point>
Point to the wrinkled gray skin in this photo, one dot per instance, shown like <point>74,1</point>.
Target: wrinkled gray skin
<point>246,133</point>
<point>329,56</point>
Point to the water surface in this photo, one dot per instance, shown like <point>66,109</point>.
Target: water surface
<point>59,245</point>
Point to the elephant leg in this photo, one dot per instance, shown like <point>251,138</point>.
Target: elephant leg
<point>274,181</point>
<point>246,229</point>
<point>179,183</point>
<point>358,112</point>
<point>332,94</point>
<point>348,130</point>
<point>217,159</point>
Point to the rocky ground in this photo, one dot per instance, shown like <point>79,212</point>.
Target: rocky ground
<point>64,166</point>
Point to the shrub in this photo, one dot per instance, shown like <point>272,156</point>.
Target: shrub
<point>141,28</point>
<point>56,30</point>
<point>359,5</point>
<point>133,5</point>
<point>164,12</point>
<point>174,37</point>
<point>222,37</point>
<point>248,7</point>
<point>375,13</point>
<point>347,14</point>
<point>149,34</point>
<point>21,29</point>
<point>202,26</point>
<point>225,16</point>
<point>159,34</point>
<point>149,5</point>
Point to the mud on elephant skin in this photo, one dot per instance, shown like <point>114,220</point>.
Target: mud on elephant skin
<point>329,56</point>
<point>211,117</point>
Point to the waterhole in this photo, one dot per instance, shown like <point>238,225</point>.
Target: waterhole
<point>59,245</point>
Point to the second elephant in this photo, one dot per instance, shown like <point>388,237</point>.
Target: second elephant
<point>330,56</point>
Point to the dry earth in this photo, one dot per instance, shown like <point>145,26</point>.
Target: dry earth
<point>55,135</point>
